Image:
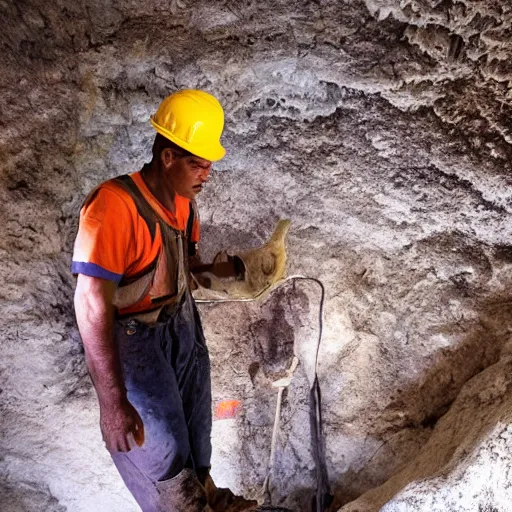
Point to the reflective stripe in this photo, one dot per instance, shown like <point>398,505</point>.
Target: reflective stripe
<point>93,270</point>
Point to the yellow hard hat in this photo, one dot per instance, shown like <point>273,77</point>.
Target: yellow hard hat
<point>193,120</point>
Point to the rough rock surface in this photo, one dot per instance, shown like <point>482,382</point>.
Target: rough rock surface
<point>465,465</point>
<point>382,129</point>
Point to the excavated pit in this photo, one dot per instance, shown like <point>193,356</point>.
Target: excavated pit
<point>382,129</point>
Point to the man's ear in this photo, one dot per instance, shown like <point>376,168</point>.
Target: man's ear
<point>167,157</point>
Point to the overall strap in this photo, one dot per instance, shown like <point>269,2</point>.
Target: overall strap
<point>143,207</point>
<point>191,246</point>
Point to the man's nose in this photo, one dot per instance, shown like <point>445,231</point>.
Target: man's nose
<point>205,173</point>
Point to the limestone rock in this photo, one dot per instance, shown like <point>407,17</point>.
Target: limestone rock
<point>465,465</point>
<point>381,128</point>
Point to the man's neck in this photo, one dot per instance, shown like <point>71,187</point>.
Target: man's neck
<point>154,177</point>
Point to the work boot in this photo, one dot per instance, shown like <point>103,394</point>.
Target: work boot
<point>183,493</point>
<point>223,500</point>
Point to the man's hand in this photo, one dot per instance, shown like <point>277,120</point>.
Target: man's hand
<point>120,423</point>
<point>223,266</point>
<point>121,427</point>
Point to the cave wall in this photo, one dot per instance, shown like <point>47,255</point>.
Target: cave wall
<point>380,128</point>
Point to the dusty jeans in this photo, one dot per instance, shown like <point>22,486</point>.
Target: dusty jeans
<point>167,375</point>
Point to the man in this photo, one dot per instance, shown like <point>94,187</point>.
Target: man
<point>144,345</point>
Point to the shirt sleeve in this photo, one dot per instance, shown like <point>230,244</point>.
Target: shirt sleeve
<point>104,243</point>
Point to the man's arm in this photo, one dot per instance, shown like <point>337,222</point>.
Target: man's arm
<point>95,317</point>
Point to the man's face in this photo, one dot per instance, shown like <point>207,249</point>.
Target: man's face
<point>187,174</point>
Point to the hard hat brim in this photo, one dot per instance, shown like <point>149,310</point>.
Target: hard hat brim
<point>212,152</point>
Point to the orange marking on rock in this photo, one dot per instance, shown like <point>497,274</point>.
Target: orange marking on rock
<point>227,409</point>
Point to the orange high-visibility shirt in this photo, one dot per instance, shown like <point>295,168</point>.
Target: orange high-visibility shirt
<point>114,241</point>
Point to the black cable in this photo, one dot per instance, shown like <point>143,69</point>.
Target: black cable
<point>323,497</point>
